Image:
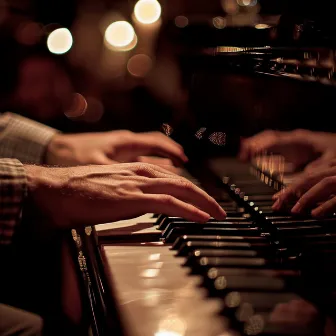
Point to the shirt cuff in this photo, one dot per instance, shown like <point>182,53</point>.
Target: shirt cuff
<point>24,139</point>
<point>13,190</point>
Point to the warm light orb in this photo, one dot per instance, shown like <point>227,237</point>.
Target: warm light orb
<point>181,21</point>
<point>139,65</point>
<point>119,34</point>
<point>219,22</point>
<point>59,41</point>
<point>262,26</point>
<point>147,11</point>
<point>247,3</point>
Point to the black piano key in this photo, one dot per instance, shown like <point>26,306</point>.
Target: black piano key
<point>256,191</point>
<point>280,323</point>
<point>190,246</point>
<point>258,198</point>
<point>187,238</point>
<point>299,230</point>
<point>304,222</point>
<point>287,217</point>
<point>172,235</point>
<point>205,263</point>
<point>225,284</point>
<point>313,242</point>
<point>214,272</point>
<point>219,224</point>
<point>167,220</point>
<point>197,255</point>
<point>256,301</point>
<point>270,212</point>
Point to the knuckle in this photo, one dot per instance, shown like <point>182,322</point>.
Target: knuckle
<point>167,200</point>
<point>300,132</point>
<point>287,193</point>
<point>122,133</point>
<point>185,184</point>
<point>270,133</point>
<point>125,187</point>
<point>143,168</point>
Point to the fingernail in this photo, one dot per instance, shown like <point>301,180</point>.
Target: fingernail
<point>223,216</point>
<point>297,208</point>
<point>203,218</point>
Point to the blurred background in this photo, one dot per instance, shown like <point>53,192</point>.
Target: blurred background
<point>97,65</point>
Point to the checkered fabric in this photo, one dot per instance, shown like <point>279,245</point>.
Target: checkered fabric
<point>23,139</point>
<point>13,189</point>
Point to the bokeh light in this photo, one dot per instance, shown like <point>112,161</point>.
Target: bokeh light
<point>147,11</point>
<point>60,41</point>
<point>230,6</point>
<point>95,110</point>
<point>181,21</point>
<point>139,65</point>
<point>262,26</point>
<point>77,108</point>
<point>29,33</point>
<point>247,2</point>
<point>120,35</point>
<point>219,22</point>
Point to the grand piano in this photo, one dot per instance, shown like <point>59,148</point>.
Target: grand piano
<point>258,272</point>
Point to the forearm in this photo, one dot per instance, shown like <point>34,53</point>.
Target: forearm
<point>13,190</point>
<point>24,139</point>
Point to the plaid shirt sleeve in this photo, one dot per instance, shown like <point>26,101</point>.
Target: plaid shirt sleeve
<point>23,139</point>
<point>13,189</point>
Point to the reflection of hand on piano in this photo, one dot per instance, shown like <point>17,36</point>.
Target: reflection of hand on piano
<point>91,195</point>
<point>327,160</point>
<point>313,192</point>
<point>297,314</point>
<point>298,147</point>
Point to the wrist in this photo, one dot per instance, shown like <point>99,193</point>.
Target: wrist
<point>44,186</point>
<point>40,178</point>
<point>59,151</point>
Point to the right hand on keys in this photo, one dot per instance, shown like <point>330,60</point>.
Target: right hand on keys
<point>299,147</point>
<point>88,195</point>
<point>313,192</point>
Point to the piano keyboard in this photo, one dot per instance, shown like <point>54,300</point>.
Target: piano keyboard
<point>255,273</point>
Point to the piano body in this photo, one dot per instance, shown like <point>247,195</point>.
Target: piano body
<point>258,272</point>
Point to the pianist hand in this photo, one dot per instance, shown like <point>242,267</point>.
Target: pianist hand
<point>112,147</point>
<point>86,195</point>
<point>299,147</point>
<point>313,191</point>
